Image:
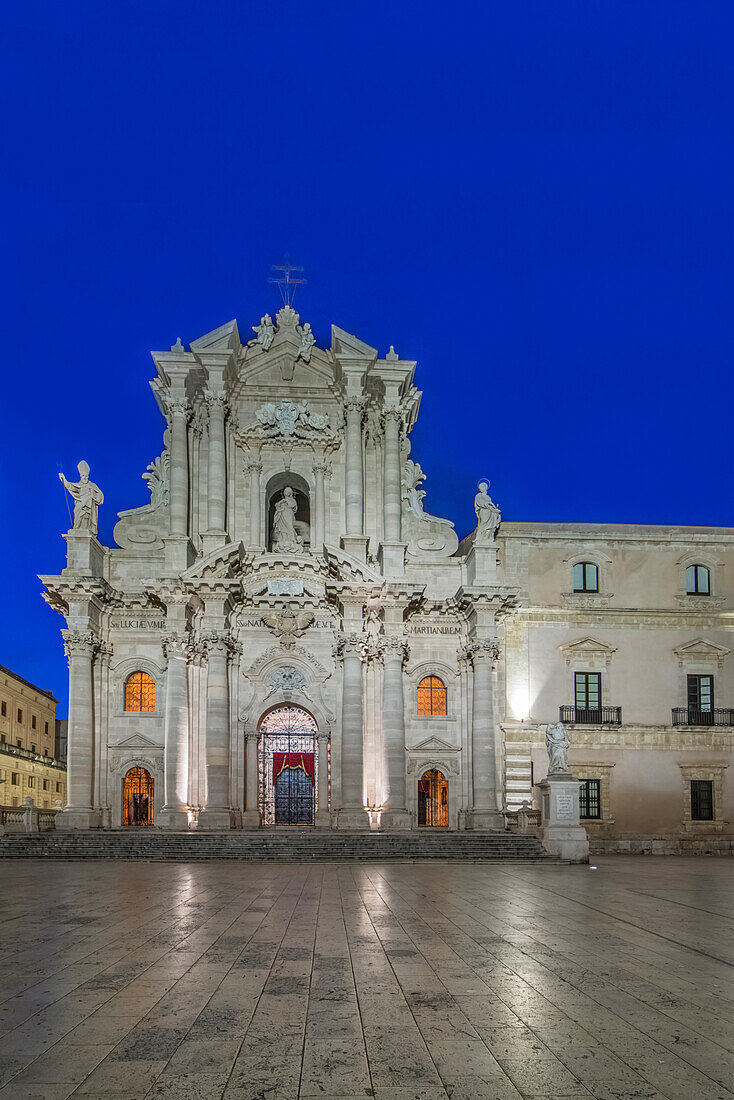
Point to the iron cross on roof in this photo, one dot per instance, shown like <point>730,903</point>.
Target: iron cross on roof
<point>286,279</point>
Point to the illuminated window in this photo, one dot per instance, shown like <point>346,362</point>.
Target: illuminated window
<point>585,577</point>
<point>431,696</point>
<point>140,692</point>
<point>698,580</point>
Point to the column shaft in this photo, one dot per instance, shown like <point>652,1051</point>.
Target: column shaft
<point>394,808</point>
<point>254,470</point>
<point>354,480</point>
<point>251,817</point>
<point>352,814</point>
<point>80,763</point>
<point>217,813</point>
<point>484,761</point>
<point>391,476</point>
<point>216,481</point>
<point>179,470</point>
<point>319,517</point>
<point>176,736</point>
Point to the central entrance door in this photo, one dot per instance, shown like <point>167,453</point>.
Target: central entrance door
<point>137,798</point>
<point>288,767</point>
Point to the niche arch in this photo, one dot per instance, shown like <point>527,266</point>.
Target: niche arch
<point>273,493</point>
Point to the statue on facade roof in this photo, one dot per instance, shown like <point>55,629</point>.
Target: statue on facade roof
<point>87,498</point>
<point>264,332</point>
<point>307,342</point>
<point>488,515</point>
<point>557,745</point>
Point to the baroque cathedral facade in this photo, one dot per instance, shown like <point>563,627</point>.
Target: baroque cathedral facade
<point>285,636</point>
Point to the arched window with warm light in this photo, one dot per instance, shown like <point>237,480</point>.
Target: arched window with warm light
<point>698,580</point>
<point>140,692</point>
<point>431,696</point>
<point>585,577</point>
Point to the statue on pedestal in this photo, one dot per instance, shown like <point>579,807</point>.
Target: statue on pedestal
<point>87,499</point>
<point>557,744</point>
<point>488,515</point>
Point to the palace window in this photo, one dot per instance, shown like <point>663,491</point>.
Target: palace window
<point>33,748</point>
<point>590,798</point>
<point>45,784</point>
<point>14,779</point>
<point>45,728</point>
<point>19,742</point>
<point>3,709</point>
<point>58,788</point>
<point>585,577</point>
<point>31,781</point>
<point>33,721</point>
<point>431,696</point>
<point>2,738</point>
<point>700,699</point>
<point>140,692</point>
<point>702,800</point>
<point>20,715</point>
<point>587,691</point>
<point>698,580</point>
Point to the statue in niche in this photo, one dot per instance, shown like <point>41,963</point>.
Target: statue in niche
<point>87,499</point>
<point>288,532</point>
<point>488,515</point>
<point>264,332</point>
<point>557,745</point>
<point>373,617</point>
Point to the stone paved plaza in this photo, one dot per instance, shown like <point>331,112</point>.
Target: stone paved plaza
<point>400,982</point>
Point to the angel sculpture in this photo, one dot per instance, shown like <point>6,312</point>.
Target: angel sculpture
<point>264,332</point>
<point>307,342</point>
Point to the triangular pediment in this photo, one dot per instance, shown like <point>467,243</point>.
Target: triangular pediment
<point>346,346</point>
<point>136,741</point>
<point>701,650</point>
<point>587,649</point>
<point>224,338</point>
<point>434,744</point>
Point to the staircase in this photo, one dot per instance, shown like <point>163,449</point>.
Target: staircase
<point>291,846</point>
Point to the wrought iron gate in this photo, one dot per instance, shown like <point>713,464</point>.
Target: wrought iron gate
<point>288,766</point>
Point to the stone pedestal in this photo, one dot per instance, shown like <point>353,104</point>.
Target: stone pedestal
<point>251,816</point>
<point>355,546</point>
<point>481,565</point>
<point>561,832</point>
<point>392,559</point>
<point>84,554</point>
<point>179,553</point>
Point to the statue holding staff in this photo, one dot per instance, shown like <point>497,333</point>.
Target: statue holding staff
<point>87,499</point>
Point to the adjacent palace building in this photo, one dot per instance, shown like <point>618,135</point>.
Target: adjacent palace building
<point>30,764</point>
<point>285,636</point>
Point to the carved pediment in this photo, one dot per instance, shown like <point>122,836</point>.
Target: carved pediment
<point>137,741</point>
<point>223,562</point>
<point>434,744</point>
<point>587,649</point>
<point>701,650</point>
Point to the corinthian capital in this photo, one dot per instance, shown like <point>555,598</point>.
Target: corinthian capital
<point>176,644</point>
<point>480,650</point>
<point>179,408</point>
<point>215,400</point>
<point>348,645</point>
<point>220,642</point>
<point>354,405</point>
<point>395,649</point>
<point>79,643</point>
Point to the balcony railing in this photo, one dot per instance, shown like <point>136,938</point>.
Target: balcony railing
<point>694,716</point>
<point>596,716</point>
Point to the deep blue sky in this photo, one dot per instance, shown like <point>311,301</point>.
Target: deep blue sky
<point>533,199</point>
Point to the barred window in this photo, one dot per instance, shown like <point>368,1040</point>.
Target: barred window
<point>140,692</point>
<point>590,798</point>
<point>431,696</point>
<point>702,800</point>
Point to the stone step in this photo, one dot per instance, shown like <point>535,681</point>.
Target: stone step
<point>292,846</point>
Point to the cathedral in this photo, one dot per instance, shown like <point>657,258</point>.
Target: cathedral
<point>285,636</point>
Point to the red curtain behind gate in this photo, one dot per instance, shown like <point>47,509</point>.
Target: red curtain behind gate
<point>293,760</point>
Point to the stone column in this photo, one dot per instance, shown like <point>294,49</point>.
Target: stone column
<point>354,480</point>
<point>392,419</point>
<point>217,814</point>
<point>394,809</point>
<point>254,469</point>
<point>352,814</point>
<point>174,814</point>
<point>179,468</point>
<point>251,816</point>
<point>485,813</point>
<point>323,816</point>
<point>318,519</point>
<point>216,480</point>
<point>80,647</point>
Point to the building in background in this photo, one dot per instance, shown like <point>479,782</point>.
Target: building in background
<point>284,635</point>
<point>29,765</point>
